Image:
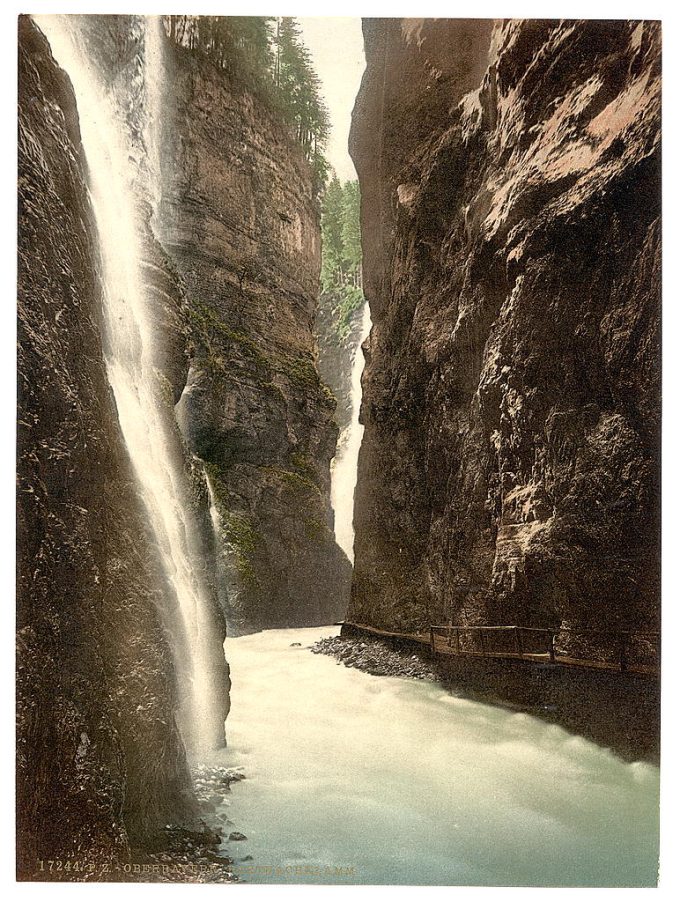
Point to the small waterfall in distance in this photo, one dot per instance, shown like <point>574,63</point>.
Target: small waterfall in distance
<point>344,467</point>
<point>133,356</point>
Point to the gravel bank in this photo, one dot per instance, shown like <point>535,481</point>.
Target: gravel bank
<point>373,657</point>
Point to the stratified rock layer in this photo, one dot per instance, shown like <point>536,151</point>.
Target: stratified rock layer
<point>101,767</point>
<point>241,224</point>
<point>510,182</point>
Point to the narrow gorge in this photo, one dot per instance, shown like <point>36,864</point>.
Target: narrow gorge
<point>509,473</point>
<point>174,435</point>
<point>274,419</point>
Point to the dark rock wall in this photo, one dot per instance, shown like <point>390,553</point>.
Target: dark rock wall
<point>241,224</point>
<point>510,179</point>
<point>101,766</point>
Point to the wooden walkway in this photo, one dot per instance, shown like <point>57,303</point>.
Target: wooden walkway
<point>620,651</point>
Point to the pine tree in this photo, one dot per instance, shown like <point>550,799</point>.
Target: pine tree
<point>341,254</point>
<point>351,229</point>
<point>331,234</point>
<point>269,57</point>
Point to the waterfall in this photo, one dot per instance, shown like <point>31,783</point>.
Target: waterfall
<point>344,467</point>
<point>122,164</point>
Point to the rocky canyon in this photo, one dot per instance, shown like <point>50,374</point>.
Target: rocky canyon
<point>509,472</point>
<point>217,495</point>
<point>199,289</point>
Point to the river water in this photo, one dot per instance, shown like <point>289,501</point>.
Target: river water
<point>388,780</point>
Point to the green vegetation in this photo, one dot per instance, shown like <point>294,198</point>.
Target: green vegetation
<point>241,537</point>
<point>300,370</point>
<point>304,466</point>
<point>316,531</point>
<point>300,487</point>
<point>302,373</point>
<point>268,56</point>
<point>214,335</point>
<point>341,279</point>
<point>214,338</point>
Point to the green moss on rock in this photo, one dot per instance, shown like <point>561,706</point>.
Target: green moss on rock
<point>297,485</point>
<point>317,531</point>
<point>241,538</point>
<point>209,328</point>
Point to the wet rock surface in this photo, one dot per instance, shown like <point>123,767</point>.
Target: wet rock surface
<point>374,657</point>
<point>509,472</point>
<point>191,856</point>
<point>213,782</point>
<point>101,767</point>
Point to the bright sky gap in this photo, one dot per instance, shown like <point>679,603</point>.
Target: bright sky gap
<point>337,48</point>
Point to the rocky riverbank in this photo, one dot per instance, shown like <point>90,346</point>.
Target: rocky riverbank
<point>193,855</point>
<point>375,658</point>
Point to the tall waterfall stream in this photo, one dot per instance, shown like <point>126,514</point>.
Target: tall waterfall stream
<point>344,467</point>
<point>131,350</point>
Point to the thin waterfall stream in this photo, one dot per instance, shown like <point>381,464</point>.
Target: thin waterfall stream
<point>131,347</point>
<point>344,466</point>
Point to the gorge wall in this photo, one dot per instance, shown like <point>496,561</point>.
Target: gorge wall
<point>230,253</point>
<point>240,220</point>
<point>101,767</point>
<point>510,179</point>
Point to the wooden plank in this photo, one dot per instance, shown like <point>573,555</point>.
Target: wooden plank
<point>443,648</point>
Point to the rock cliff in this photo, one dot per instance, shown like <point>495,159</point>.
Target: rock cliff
<point>240,222</point>
<point>101,766</point>
<point>230,253</point>
<point>510,179</point>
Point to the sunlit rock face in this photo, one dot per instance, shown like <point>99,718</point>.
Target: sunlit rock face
<point>510,185</point>
<point>240,222</point>
<point>101,765</point>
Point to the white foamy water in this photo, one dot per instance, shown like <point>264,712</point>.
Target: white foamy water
<point>344,464</point>
<point>131,351</point>
<point>407,784</point>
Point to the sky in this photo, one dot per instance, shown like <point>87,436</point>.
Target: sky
<point>337,49</point>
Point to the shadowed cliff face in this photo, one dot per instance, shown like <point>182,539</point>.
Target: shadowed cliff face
<point>101,766</point>
<point>510,185</point>
<point>239,220</point>
<point>230,256</point>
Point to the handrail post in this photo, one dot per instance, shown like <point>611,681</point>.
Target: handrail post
<point>481,639</point>
<point>551,648</point>
<point>520,646</point>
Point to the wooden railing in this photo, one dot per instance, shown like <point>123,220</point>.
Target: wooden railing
<point>620,650</point>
